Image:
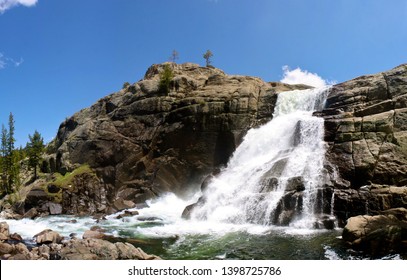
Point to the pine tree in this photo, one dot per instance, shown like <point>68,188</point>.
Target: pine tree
<point>3,151</point>
<point>166,77</point>
<point>174,56</point>
<point>9,166</point>
<point>34,150</point>
<point>11,163</point>
<point>11,129</point>
<point>207,57</point>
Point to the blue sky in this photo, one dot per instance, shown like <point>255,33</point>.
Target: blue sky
<point>59,56</point>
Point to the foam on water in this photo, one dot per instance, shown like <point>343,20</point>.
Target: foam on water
<point>65,225</point>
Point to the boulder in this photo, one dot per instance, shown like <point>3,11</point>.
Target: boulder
<point>31,214</point>
<point>15,237</point>
<point>121,204</point>
<point>6,248</point>
<point>47,236</point>
<point>22,249</point>
<point>4,231</point>
<point>378,235</point>
<point>93,234</point>
<point>129,252</point>
<point>43,252</point>
<point>9,214</point>
<point>20,252</point>
<point>127,214</point>
<point>20,256</point>
<point>54,208</point>
<point>96,249</point>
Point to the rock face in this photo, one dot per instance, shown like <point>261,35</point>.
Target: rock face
<point>142,142</point>
<point>366,129</point>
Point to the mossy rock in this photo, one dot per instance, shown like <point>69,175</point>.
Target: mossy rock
<point>64,181</point>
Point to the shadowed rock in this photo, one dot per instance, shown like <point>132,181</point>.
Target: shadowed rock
<point>378,235</point>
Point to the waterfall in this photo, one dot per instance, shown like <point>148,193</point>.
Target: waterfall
<point>274,175</point>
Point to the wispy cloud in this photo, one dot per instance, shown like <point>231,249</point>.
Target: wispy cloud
<point>6,61</point>
<point>299,76</point>
<point>7,4</point>
<point>2,61</point>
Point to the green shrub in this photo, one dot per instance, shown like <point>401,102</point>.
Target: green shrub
<point>126,85</point>
<point>166,77</point>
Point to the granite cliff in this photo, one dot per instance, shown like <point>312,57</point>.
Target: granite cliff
<point>365,121</point>
<point>142,141</point>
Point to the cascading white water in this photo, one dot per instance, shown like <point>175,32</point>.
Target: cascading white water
<point>285,155</point>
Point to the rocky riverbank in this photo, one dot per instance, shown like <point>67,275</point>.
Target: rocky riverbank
<point>50,245</point>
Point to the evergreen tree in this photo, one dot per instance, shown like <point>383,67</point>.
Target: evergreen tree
<point>3,151</point>
<point>174,56</point>
<point>34,150</point>
<point>11,162</point>
<point>10,140</point>
<point>166,77</point>
<point>207,57</point>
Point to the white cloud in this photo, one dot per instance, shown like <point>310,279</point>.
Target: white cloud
<point>299,76</point>
<point>2,61</point>
<point>7,4</point>
<point>5,61</point>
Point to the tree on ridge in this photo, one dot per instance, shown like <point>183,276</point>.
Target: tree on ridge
<point>207,57</point>
<point>174,56</point>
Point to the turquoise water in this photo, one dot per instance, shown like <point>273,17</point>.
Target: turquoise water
<point>275,245</point>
